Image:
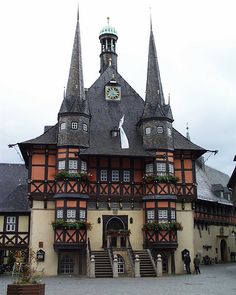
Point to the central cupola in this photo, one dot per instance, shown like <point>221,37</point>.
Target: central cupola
<point>108,38</point>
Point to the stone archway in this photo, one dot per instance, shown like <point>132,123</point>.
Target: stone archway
<point>223,251</point>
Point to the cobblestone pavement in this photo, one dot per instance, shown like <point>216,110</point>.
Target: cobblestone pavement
<point>214,279</point>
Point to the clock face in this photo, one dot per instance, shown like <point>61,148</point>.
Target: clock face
<point>113,93</point>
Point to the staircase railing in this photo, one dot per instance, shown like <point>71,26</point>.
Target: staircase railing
<point>110,252</point>
<point>152,260</point>
<point>131,256</point>
<point>88,257</point>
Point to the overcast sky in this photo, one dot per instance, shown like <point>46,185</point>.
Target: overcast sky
<point>196,47</point>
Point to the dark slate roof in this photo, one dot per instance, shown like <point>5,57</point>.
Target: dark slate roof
<point>16,201</point>
<point>209,180</point>
<point>75,100</point>
<point>11,175</point>
<point>232,180</point>
<point>155,106</point>
<point>182,143</point>
<point>107,114</point>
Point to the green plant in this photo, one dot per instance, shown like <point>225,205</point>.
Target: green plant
<point>160,178</point>
<point>62,224</point>
<point>28,269</point>
<point>80,176</point>
<point>157,226</point>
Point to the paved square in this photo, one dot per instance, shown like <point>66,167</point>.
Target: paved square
<point>214,280</point>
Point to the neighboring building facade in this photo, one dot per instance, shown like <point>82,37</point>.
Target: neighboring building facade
<point>14,211</point>
<point>116,162</point>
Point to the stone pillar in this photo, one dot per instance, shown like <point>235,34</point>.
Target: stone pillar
<point>137,266</point>
<point>159,265</point>
<point>92,267</point>
<point>115,267</point>
<point>170,264</point>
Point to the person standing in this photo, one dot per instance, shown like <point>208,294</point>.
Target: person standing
<point>187,261</point>
<point>196,263</point>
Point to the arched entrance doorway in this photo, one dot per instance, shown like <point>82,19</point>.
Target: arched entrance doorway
<point>223,250</point>
<point>114,224</point>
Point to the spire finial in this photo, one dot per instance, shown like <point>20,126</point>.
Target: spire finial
<point>150,8</point>
<point>64,92</point>
<point>78,12</point>
<point>169,98</point>
<point>187,132</point>
<point>108,20</point>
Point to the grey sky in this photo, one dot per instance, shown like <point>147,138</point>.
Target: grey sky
<point>196,47</point>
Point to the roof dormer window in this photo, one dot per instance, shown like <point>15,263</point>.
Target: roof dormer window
<point>148,130</point>
<point>63,126</point>
<point>74,125</point>
<point>160,130</point>
<point>85,127</point>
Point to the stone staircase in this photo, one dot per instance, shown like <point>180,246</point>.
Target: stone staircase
<point>146,266</point>
<point>102,264</point>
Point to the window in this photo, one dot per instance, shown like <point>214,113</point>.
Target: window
<point>74,125</point>
<point>82,214</point>
<point>61,165</point>
<point>121,264</point>
<point>103,175</point>
<point>71,215</point>
<point>83,166</point>
<point>160,130</point>
<point>148,130</point>
<point>63,126</point>
<point>150,216</point>
<point>162,215</point>
<point>169,131</point>
<point>171,168</point>
<point>73,166</point>
<point>172,214</point>
<point>161,168</point>
<point>60,214</point>
<point>126,176</point>
<point>115,175</point>
<point>11,223</point>
<point>149,168</point>
<point>85,127</point>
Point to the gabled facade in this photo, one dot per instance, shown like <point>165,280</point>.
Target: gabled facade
<point>114,162</point>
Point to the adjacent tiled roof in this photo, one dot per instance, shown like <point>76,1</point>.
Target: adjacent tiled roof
<point>209,180</point>
<point>13,188</point>
<point>11,175</point>
<point>16,201</point>
<point>182,143</point>
<point>232,180</point>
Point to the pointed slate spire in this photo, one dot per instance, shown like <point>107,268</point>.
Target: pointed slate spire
<point>75,99</point>
<point>154,101</point>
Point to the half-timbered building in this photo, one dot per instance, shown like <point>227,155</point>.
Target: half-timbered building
<point>114,176</point>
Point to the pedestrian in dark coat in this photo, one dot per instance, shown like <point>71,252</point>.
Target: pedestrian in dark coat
<point>187,261</point>
<point>196,263</point>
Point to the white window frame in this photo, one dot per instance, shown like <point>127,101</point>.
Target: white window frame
<point>172,214</point>
<point>82,214</point>
<point>61,165</point>
<point>59,213</point>
<point>71,214</point>
<point>11,223</point>
<point>74,125</point>
<point>169,131</point>
<point>63,126</point>
<point>84,166</point>
<point>148,130</point>
<point>160,130</point>
<point>126,175</point>
<point>149,168</point>
<point>120,264</point>
<point>161,168</point>
<point>73,164</point>
<point>85,127</point>
<point>171,168</point>
<point>162,214</point>
<point>103,175</point>
<point>115,175</point>
<point>150,215</point>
